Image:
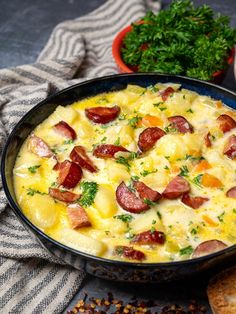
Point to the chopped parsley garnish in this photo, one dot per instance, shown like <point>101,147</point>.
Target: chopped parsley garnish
<point>153,88</point>
<point>130,234</point>
<point>119,250</point>
<point>197,180</point>
<point>189,110</point>
<point>131,187</point>
<point>153,229</point>
<point>107,232</point>
<point>57,150</point>
<point>127,218</point>
<point>134,121</point>
<point>89,191</point>
<point>33,169</point>
<point>102,100</point>
<point>162,108</point>
<point>170,128</point>
<point>153,222</point>
<point>122,116</point>
<point>221,217</point>
<point>117,141</point>
<point>68,142</point>
<point>193,158</point>
<point>188,250</point>
<point>125,161</point>
<point>159,215</point>
<point>158,104</point>
<point>54,184</point>
<point>103,140</point>
<point>234,210</point>
<point>184,171</point>
<point>32,192</point>
<point>148,202</point>
<point>145,173</point>
<point>105,126</point>
<point>135,178</point>
<point>193,231</point>
<point>166,168</point>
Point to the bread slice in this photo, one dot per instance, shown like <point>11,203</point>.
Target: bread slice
<point>221,292</point>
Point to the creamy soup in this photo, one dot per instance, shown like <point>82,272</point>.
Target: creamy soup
<point>141,174</point>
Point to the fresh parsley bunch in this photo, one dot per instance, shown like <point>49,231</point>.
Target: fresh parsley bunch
<point>180,40</point>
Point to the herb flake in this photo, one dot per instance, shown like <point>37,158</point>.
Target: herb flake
<point>33,169</point>
<point>188,250</point>
<point>89,191</point>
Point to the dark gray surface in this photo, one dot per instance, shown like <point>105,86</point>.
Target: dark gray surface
<point>26,25</point>
<point>24,29</point>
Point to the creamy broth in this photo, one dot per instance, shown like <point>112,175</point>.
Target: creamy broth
<point>207,168</point>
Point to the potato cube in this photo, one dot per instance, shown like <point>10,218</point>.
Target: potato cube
<point>105,201</point>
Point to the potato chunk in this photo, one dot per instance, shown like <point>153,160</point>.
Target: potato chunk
<point>43,210</point>
<point>105,201</point>
<point>80,242</point>
<point>116,172</point>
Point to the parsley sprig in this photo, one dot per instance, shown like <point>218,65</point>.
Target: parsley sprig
<point>89,191</point>
<point>33,169</point>
<point>180,40</point>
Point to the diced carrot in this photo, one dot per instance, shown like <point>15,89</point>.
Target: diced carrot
<point>210,221</point>
<point>210,181</point>
<point>175,169</point>
<point>195,153</point>
<point>219,104</point>
<point>202,165</point>
<point>149,120</point>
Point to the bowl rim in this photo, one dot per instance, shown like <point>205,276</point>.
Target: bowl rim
<point>16,208</point>
<point>118,41</point>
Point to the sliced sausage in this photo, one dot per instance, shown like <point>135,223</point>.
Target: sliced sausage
<point>149,137</point>
<point>57,166</point>
<point>108,150</point>
<point>194,202</point>
<point>180,124</point>
<point>166,93</point>
<point>38,147</point>
<point>230,147</point>
<point>207,139</point>
<point>63,196</point>
<point>226,123</point>
<point>79,155</point>
<point>65,130</point>
<point>70,174</point>
<point>129,252</point>
<point>176,187</point>
<point>150,237</point>
<point>208,247</point>
<point>77,216</point>
<point>146,192</point>
<point>231,192</point>
<point>129,201</point>
<point>102,115</point>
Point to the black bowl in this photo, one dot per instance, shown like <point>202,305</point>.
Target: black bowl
<point>104,268</point>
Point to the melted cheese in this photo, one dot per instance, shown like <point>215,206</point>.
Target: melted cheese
<point>182,225</point>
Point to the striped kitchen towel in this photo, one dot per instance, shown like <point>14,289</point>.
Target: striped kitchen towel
<point>31,280</point>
